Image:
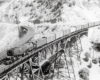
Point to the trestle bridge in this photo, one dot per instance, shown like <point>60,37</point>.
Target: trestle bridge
<point>45,62</point>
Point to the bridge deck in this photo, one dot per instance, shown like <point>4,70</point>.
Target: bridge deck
<point>6,69</point>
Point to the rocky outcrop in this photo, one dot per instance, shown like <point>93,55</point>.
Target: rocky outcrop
<point>94,37</point>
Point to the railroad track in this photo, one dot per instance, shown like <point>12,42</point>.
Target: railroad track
<point>5,70</point>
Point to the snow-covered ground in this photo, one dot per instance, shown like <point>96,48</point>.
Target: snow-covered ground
<point>28,10</point>
<point>87,48</point>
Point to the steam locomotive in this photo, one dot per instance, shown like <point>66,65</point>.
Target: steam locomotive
<point>27,43</point>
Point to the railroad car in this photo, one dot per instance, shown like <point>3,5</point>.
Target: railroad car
<point>53,37</point>
<point>20,50</point>
<point>41,42</point>
<point>79,27</point>
<point>97,23</point>
<point>82,26</point>
<point>73,29</point>
<point>59,34</point>
<point>86,25</point>
<point>91,24</point>
<point>48,38</point>
<point>26,35</point>
<point>68,31</point>
<point>65,32</point>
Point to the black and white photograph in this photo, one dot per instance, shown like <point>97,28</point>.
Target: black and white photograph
<point>49,39</point>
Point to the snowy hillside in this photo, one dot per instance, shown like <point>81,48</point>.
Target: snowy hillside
<point>50,16</point>
<point>43,14</point>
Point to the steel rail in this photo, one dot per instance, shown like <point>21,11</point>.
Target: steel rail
<point>34,53</point>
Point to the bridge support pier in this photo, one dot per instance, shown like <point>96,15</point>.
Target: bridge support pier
<point>47,60</point>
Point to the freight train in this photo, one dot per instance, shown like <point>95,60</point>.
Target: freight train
<point>25,36</point>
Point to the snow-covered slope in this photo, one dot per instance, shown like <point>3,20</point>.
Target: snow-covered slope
<point>50,17</point>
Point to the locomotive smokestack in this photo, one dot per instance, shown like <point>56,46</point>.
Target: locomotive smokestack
<point>10,52</point>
